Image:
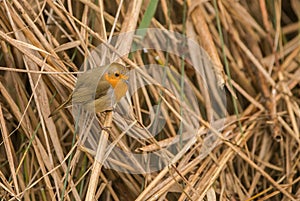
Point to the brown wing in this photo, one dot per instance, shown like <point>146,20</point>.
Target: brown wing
<point>102,103</point>
<point>86,93</point>
<point>86,89</point>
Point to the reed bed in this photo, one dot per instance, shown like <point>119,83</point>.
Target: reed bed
<point>243,147</point>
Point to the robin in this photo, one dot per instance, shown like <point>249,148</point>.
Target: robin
<point>111,87</point>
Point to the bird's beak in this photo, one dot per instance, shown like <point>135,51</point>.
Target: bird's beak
<point>125,77</point>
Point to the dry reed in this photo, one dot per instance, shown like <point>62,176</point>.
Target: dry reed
<point>254,47</point>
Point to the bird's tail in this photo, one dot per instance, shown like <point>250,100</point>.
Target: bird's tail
<point>61,106</point>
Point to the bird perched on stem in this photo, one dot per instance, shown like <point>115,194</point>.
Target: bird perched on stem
<point>112,86</point>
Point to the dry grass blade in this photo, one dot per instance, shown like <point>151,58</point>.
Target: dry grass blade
<point>9,151</point>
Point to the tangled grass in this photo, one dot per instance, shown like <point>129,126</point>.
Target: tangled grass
<point>253,48</point>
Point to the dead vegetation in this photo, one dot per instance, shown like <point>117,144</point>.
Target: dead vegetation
<point>253,48</point>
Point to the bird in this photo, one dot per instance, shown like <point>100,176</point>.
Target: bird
<point>112,85</point>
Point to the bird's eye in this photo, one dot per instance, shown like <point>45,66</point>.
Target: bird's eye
<point>117,74</point>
